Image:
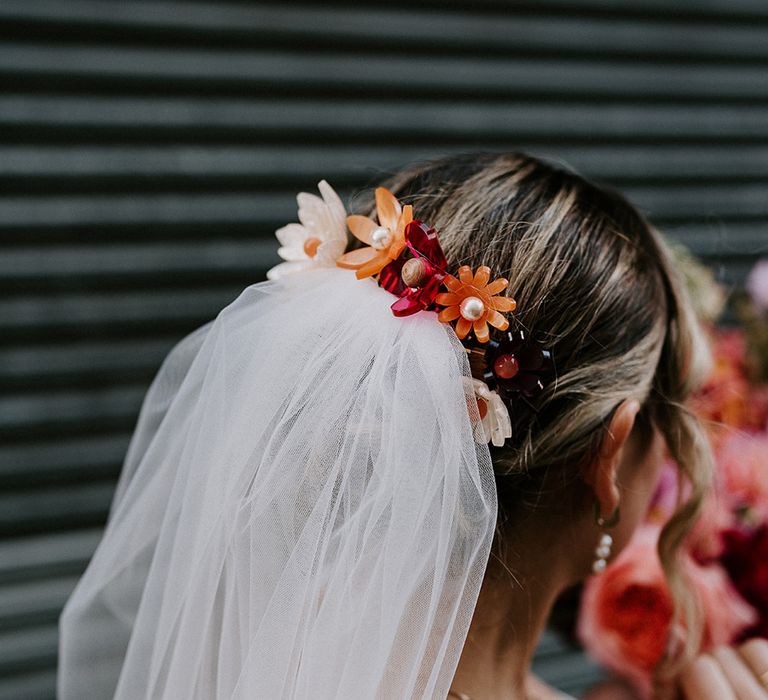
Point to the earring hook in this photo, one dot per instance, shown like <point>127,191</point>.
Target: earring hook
<point>601,521</point>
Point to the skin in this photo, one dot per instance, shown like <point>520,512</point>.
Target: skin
<point>553,548</point>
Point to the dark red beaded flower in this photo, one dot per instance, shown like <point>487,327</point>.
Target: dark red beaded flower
<point>516,364</point>
<point>416,280</point>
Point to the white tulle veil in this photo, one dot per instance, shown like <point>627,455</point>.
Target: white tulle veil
<point>303,511</point>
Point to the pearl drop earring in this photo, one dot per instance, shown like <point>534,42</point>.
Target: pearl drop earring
<point>602,552</point>
<point>603,549</point>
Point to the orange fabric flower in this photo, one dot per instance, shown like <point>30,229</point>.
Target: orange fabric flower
<point>471,300</point>
<point>385,239</point>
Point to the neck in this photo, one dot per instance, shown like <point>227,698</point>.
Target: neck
<point>510,615</point>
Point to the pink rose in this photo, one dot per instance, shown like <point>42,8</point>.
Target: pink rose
<point>705,542</point>
<point>662,505</point>
<point>742,460</point>
<point>757,284</point>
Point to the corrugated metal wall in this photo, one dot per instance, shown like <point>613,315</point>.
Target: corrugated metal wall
<point>149,149</point>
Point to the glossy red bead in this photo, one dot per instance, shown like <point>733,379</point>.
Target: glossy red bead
<point>506,366</point>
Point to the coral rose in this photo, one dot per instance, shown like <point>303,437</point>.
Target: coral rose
<point>625,614</point>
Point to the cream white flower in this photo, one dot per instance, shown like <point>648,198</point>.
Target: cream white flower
<point>319,239</point>
<point>495,425</point>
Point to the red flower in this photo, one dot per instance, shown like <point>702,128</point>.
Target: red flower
<point>624,619</point>
<point>426,274</point>
<point>745,558</point>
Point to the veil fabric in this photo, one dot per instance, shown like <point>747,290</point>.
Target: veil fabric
<point>303,512</point>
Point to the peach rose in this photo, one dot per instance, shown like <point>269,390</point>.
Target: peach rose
<point>742,460</point>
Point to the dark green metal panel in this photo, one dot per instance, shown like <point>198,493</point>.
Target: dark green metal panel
<point>148,150</point>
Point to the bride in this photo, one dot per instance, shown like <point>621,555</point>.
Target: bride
<point>373,473</point>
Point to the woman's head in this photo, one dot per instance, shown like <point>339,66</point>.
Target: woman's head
<point>594,281</point>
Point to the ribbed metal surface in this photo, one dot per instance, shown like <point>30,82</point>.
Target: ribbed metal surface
<point>149,149</point>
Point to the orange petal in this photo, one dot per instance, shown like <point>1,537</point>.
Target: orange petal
<point>362,227</point>
<point>497,320</point>
<point>355,258</point>
<point>502,304</point>
<point>462,327</point>
<point>388,209</point>
<point>481,330</point>
<point>448,314</point>
<point>452,283</point>
<point>397,247</point>
<point>465,274</point>
<point>446,298</point>
<point>373,266</point>
<point>482,276</point>
<point>480,292</point>
<point>497,285</point>
<point>406,217</point>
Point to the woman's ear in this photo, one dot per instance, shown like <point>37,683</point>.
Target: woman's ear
<point>601,473</point>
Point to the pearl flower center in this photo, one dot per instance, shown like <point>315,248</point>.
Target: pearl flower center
<point>472,308</point>
<point>381,238</point>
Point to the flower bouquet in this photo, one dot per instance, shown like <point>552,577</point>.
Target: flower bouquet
<point>624,617</point>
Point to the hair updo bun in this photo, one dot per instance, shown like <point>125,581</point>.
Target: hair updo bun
<point>593,279</point>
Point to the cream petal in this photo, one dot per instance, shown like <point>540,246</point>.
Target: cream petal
<point>481,389</point>
<point>502,425</point>
<point>311,210</point>
<point>322,219</point>
<point>328,252</point>
<point>292,235</point>
<point>336,210</point>
<point>292,252</point>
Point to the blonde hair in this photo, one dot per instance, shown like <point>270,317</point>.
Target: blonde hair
<point>595,281</point>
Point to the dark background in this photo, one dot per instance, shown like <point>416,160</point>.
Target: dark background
<point>148,150</point>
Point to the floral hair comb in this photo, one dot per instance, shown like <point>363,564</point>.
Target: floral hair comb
<point>406,256</point>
